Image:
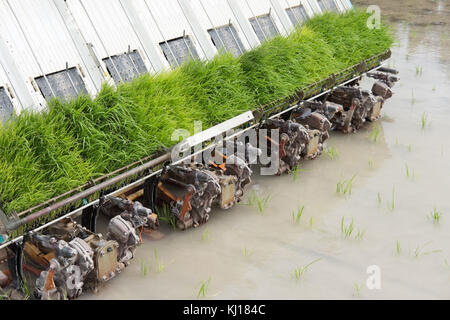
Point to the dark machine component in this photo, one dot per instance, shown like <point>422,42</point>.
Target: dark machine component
<point>67,271</point>
<point>382,89</point>
<point>4,280</point>
<point>227,197</point>
<point>351,100</point>
<point>234,161</point>
<point>359,106</point>
<point>72,258</point>
<point>317,125</point>
<point>384,77</point>
<point>189,192</point>
<point>122,231</point>
<point>131,211</point>
<point>293,143</point>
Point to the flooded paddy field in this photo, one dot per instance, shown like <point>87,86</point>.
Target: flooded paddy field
<point>398,201</point>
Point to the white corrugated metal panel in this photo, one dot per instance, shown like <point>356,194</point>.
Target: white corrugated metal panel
<point>216,13</point>
<point>106,25</point>
<point>293,3</point>
<point>314,6</point>
<point>8,101</point>
<point>347,4</point>
<point>339,4</point>
<point>165,20</point>
<point>256,8</point>
<point>327,3</point>
<point>38,41</point>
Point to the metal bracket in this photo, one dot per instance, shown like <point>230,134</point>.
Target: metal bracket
<point>215,131</point>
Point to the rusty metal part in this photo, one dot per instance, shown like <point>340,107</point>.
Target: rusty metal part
<point>381,89</point>
<point>372,106</point>
<point>234,160</point>
<point>388,70</point>
<point>227,197</point>
<point>79,258</point>
<point>294,140</point>
<point>333,112</point>
<point>317,125</point>
<point>359,106</point>
<point>126,236</point>
<point>194,183</point>
<point>4,279</point>
<point>384,77</point>
<point>132,211</point>
<point>65,275</point>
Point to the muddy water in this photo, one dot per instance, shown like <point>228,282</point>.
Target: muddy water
<point>247,254</point>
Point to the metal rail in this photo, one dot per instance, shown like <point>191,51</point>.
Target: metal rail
<point>166,157</point>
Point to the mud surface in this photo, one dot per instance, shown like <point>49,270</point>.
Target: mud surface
<point>399,180</point>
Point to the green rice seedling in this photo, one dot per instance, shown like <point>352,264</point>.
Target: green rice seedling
<point>219,87</point>
<point>419,70</point>
<point>260,202</point>
<point>358,287</point>
<point>164,214</point>
<point>360,234</point>
<point>392,204</point>
<point>332,152</point>
<point>419,250</point>
<point>203,291</point>
<point>206,235</point>
<point>311,222</point>
<point>379,200</point>
<point>346,186</point>
<point>250,199</point>
<point>375,133</point>
<point>159,266</point>
<point>296,171</point>
<point>145,268</point>
<point>3,295</point>
<point>413,100</point>
<point>371,163</point>
<point>410,148</point>
<point>297,216</point>
<point>398,248</point>
<point>247,252</point>
<point>299,272</point>
<point>349,229</point>
<point>341,32</point>
<point>435,216</point>
<point>424,120</point>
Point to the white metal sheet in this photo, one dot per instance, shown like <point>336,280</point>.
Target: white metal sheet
<point>217,13</point>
